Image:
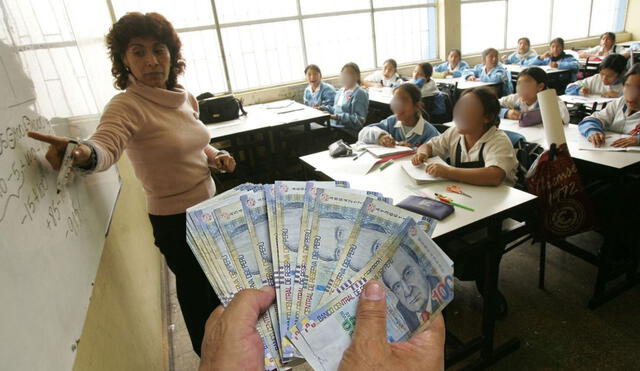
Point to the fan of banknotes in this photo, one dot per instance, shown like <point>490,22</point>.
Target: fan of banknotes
<point>318,243</point>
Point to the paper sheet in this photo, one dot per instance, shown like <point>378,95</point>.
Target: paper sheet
<point>419,173</point>
<point>585,145</point>
<point>381,151</point>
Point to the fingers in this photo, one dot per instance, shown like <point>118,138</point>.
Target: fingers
<point>433,334</point>
<point>371,323</point>
<point>81,154</point>
<point>51,139</point>
<point>248,304</point>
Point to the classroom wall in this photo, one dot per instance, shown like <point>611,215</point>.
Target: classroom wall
<point>632,24</point>
<point>124,327</point>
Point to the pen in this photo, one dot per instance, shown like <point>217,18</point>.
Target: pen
<point>359,155</point>
<point>293,110</point>
<point>386,165</point>
<point>450,201</point>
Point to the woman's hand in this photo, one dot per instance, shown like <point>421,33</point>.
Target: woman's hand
<point>597,139</point>
<point>626,142</point>
<point>57,146</point>
<point>553,64</point>
<point>513,114</point>
<point>224,162</point>
<point>438,170</point>
<point>404,144</point>
<point>585,91</point>
<point>370,349</point>
<point>546,55</point>
<point>472,78</point>
<point>386,140</point>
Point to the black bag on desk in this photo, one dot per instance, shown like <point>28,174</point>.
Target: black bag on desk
<point>219,109</point>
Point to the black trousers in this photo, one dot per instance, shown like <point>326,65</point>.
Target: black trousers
<point>195,295</point>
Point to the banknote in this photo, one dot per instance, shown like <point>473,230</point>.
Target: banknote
<point>376,221</point>
<point>418,280</point>
<point>289,199</point>
<point>332,220</point>
<point>303,243</point>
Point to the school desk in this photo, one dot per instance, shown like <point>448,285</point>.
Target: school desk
<point>492,206</point>
<point>262,129</point>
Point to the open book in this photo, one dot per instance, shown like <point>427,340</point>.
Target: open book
<point>419,173</point>
<point>584,144</point>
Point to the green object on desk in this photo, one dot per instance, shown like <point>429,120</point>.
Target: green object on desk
<point>462,206</point>
<point>386,165</point>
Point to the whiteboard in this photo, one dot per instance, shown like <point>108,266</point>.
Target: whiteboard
<point>50,242</point>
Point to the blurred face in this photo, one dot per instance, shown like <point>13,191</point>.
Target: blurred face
<point>556,49</point>
<point>348,77</point>
<point>523,46</point>
<point>491,60</point>
<point>608,76</point>
<point>606,42</point>
<point>407,281</point>
<point>149,61</point>
<point>313,77</point>
<point>528,88</point>
<point>418,74</point>
<point>453,59</point>
<point>403,107</point>
<point>388,70</point>
<point>632,92</point>
<point>469,114</point>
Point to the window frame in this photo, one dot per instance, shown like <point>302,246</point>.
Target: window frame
<point>550,30</point>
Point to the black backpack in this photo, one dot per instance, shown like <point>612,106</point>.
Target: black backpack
<point>219,109</point>
<point>527,154</point>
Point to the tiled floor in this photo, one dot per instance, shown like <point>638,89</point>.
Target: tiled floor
<point>556,329</point>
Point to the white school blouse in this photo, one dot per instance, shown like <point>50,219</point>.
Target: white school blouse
<point>615,117</point>
<point>596,86</point>
<point>513,101</point>
<point>498,150</point>
<point>378,76</point>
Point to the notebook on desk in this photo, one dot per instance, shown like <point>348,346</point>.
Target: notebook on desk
<point>419,173</point>
<point>585,145</point>
<point>381,151</point>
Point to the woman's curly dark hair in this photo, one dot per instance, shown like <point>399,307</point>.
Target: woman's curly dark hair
<point>149,25</point>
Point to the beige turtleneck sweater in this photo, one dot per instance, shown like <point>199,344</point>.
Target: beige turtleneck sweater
<point>166,142</point>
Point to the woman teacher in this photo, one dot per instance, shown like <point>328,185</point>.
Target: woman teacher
<point>156,121</point>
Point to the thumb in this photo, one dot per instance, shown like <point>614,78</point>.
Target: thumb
<point>371,317</point>
<point>248,304</point>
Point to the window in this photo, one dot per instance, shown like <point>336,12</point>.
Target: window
<point>258,44</point>
<point>539,20</point>
<point>483,25</point>
<point>41,33</point>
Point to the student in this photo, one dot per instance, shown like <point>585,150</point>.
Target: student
<point>523,53</point>
<point>620,116</point>
<point>317,93</point>
<point>556,58</point>
<point>479,152</point>
<point>385,77</point>
<point>351,102</point>
<point>491,70</point>
<point>607,46</point>
<point>452,67</point>
<point>422,78</point>
<point>608,81</point>
<point>531,81</point>
<point>406,126</point>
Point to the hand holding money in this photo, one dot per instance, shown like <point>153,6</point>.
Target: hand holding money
<point>231,340</point>
<point>370,349</point>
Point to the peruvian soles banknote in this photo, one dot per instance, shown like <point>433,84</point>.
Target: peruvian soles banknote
<point>418,280</point>
<point>317,243</point>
